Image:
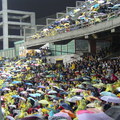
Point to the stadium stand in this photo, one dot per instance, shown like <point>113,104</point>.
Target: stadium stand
<point>91,12</point>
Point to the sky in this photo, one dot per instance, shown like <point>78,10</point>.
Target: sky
<point>42,8</point>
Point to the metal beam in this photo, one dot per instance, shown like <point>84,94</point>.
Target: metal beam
<point>71,8</point>
<point>59,14</point>
<point>1,37</point>
<point>15,27</point>
<point>49,20</point>
<point>16,36</point>
<point>1,23</point>
<point>12,17</point>
<point>1,12</point>
<point>18,23</point>
<point>19,12</point>
<point>13,36</point>
<point>25,16</point>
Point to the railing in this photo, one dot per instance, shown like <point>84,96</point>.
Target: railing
<point>76,27</point>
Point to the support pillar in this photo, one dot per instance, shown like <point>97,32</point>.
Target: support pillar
<point>5,25</point>
<point>32,17</point>
<point>92,46</point>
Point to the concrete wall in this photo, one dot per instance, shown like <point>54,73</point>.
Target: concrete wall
<point>8,53</point>
<point>65,58</point>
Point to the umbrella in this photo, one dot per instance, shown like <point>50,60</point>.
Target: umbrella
<point>114,112</point>
<point>52,92</point>
<point>60,89</point>
<point>28,83</point>
<point>93,116</point>
<point>10,118</point>
<point>16,82</point>
<point>22,98</point>
<point>43,102</point>
<point>30,98</point>
<point>77,90</point>
<point>65,106</point>
<point>56,98</point>
<point>32,117</point>
<point>50,76</point>
<point>71,114</point>
<point>23,92</point>
<point>64,93</point>
<point>110,99</point>
<point>104,93</point>
<point>86,78</point>
<point>52,96</point>
<point>95,110</point>
<point>81,17</point>
<point>35,95</point>
<point>64,19</point>
<point>62,114</point>
<point>12,106</point>
<point>40,91</point>
<point>57,118</point>
<point>83,111</point>
<point>91,105</point>
<point>86,82</point>
<point>30,89</point>
<point>90,98</point>
<point>118,89</point>
<point>99,85</point>
<point>15,96</point>
<point>74,99</point>
<point>96,5</point>
<point>41,86</point>
<point>5,89</point>
<point>81,86</point>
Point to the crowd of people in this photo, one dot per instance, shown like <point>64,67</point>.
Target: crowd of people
<point>80,90</point>
<point>78,18</point>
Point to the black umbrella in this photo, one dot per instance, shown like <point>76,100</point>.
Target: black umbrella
<point>114,112</point>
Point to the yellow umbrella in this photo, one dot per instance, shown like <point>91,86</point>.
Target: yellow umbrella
<point>45,110</point>
<point>43,102</point>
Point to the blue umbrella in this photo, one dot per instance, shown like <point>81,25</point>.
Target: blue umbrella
<point>56,22</point>
<point>38,94</point>
<point>16,82</point>
<point>30,98</point>
<point>28,83</point>
<point>32,95</point>
<point>66,106</point>
<point>15,96</point>
<point>35,95</point>
<point>50,27</point>
<point>96,5</point>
